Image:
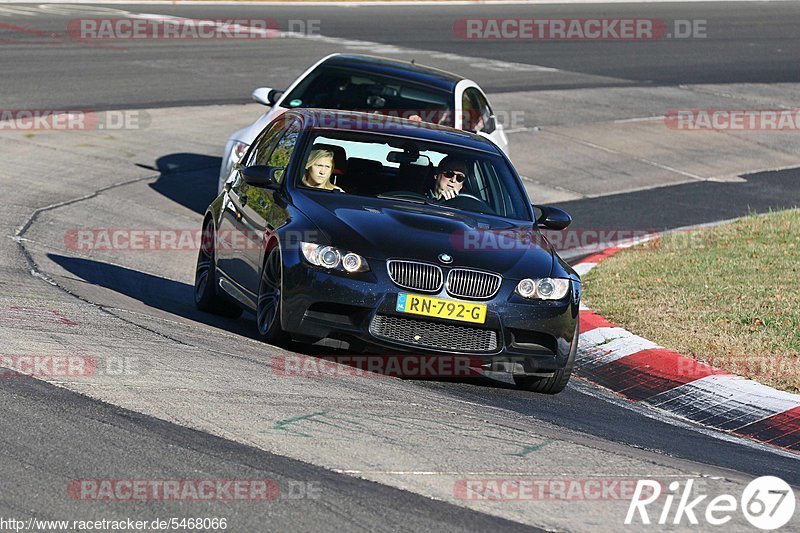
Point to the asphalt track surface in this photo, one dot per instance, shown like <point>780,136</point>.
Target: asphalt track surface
<point>748,44</point>
<point>744,43</point>
<point>68,428</point>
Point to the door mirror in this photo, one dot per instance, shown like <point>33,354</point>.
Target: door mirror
<point>490,124</point>
<point>266,95</point>
<point>262,176</point>
<point>552,217</point>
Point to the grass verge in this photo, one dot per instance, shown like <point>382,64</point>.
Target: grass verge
<point>727,295</point>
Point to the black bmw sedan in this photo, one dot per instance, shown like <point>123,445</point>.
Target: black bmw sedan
<point>393,234</point>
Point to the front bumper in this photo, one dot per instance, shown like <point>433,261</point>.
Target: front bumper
<point>330,304</point>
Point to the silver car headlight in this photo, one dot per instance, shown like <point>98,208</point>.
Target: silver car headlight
<point>543,288</point>
<point>333,258</point>
<point>238,150</point>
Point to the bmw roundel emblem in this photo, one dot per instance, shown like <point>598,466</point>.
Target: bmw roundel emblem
<point>446,259</point>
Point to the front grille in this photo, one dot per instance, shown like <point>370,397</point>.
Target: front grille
<point>467,283</point>
<point>416,276</point>
<point>450,337</point>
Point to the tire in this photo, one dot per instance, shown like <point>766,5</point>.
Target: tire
<point>205,279</point>
<point>555,383</point>
<point>268,306</point>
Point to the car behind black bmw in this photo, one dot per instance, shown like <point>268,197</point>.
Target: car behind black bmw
<point>395,234</point>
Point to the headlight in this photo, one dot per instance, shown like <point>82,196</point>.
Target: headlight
<point>330,257</point>
<point>238,150</point>
<point>352,262</point>
<point>544,288</point>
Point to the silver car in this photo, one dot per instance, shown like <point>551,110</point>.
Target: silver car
<point>376,85</point>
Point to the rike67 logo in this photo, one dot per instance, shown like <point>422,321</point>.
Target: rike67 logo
<point>767,502</point>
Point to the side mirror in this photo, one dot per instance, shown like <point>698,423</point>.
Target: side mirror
<point>266,95</point>
<point>552,217</point>
<point>262,176</point>
<point>490,124</point>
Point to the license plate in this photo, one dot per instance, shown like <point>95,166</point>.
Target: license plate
<point>441,308</point>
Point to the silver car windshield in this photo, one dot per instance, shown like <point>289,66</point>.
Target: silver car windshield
<point>332,88</point>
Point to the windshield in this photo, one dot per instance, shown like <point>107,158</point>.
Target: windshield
<point>399,168</point>
<point>332,88</point>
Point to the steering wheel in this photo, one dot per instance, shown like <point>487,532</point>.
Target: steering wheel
<point>471,196</point>
<point>471,203</point>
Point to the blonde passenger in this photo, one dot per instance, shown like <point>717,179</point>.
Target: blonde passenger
<point>319,168</point>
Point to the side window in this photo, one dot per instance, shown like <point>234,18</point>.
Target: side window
<point>282,154</point>
<point>479,183</point>
<point>468,111</point>
<point>264,145</point>
<point>493,192</point>
<point>476,111</point>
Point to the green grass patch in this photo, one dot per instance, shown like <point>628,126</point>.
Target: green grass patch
<point>726,295</point>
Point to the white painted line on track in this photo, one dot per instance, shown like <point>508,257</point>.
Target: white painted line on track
<point>375,2</point>
<point>632,156</point>
<point>639,119</point>
<point>492,65</point>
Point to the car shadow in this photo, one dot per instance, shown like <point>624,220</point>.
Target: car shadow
<point>189,179</point>
<point>177,298</point>
<point>154,291</point>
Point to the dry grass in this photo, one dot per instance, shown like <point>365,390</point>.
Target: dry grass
<point>727,295</point>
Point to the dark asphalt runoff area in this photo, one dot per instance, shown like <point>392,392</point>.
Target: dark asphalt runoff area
<point>51,436</point>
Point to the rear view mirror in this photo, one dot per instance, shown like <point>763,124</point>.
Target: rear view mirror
<point>552,217</point>
<point>406,158</point>
<point>266,96</point>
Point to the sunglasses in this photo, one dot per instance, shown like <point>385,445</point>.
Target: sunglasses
<point>450,174</point>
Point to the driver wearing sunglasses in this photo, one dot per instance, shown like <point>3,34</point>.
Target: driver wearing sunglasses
<point>450,177</point>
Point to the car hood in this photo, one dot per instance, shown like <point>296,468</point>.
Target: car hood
<point>382,229</point>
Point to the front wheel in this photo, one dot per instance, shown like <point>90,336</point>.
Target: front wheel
<point>268,308</point>
<point>555,383</point>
